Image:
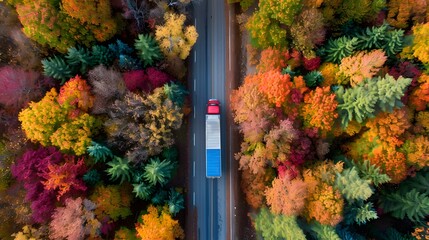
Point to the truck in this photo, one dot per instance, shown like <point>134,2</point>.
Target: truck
<point>213,141</point>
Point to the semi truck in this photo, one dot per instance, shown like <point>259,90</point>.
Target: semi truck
<point>213,143</point>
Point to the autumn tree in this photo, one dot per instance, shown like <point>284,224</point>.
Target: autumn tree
<point>76,220</point>
<point>112,201</point>
<point>145,121</point>
<point>401,13</point>
<point>62,27</point>
<point>159,225</point>
<point>419,44</point>
<point>273,59</point>
<point>275,86</point>
<point>419,97</point>
<point>319,110</point>
<point>254,185</point>
<point>362,65</point>
<point>28,169</point>
<point>279,140</point>
<point>308,31</point>
<point>75,136</point>
<point>416,150</point>
<point>389,127</point>
<point>107,86</point>
<point>77,93</point>
<point>174,38</point>
<point>287,196</point>
<point>41,119</point>
<point>265,25</point>
<point>19,87</point>
<point>65,178</point>
<point>251,110</point>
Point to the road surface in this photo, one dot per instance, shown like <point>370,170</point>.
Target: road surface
<point>212,201</point>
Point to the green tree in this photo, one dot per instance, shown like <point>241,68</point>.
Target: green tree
<point>277,227</point>
<point>159,171</point>
<point>119,169</point>
<point>148,49</point>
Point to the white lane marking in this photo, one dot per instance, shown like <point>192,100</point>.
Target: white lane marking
<point>195,56</point>
<point>193,169</point>
<point>193,198</point>
<point>194,111</point>
<point>195,22</point>
<point>195,84</point>
<point>194,139</point>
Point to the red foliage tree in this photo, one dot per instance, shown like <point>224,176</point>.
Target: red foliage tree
<point>66,178</point>
<point>157,78</point>
<point>136,80</point>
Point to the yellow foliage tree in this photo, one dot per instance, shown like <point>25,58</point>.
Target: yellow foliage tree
<point>159,225</point>
<point>174,39</point>
<point>329,72</point>
<point>75,136</point>
<point>420,43</point>
<point>41,119</point>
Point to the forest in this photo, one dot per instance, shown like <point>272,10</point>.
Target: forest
<point>334,118</point>
<point>92,96</point>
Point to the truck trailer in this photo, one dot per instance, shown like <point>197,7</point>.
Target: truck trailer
<point>213,142</point>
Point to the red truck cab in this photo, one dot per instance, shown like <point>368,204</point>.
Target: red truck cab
<point>213,106</point>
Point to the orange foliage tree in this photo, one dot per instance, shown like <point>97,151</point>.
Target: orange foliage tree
<point>159,225</point>
<point>253,186</point>
<point>276,86</point>
<point>391,162</point>
<point>419,97</point>
<point>251,110</point>
<point>416,150</point>
<point>76,92</point>
<point>319,109</point>
<point>324,203</point>
<point>380,154</point>
<point>388,127</point>
<point>401,13</point>
<point>287,196</point>
<point>273,59</point>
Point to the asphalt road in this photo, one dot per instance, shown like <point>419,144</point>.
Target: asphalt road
<point>211,200</point>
